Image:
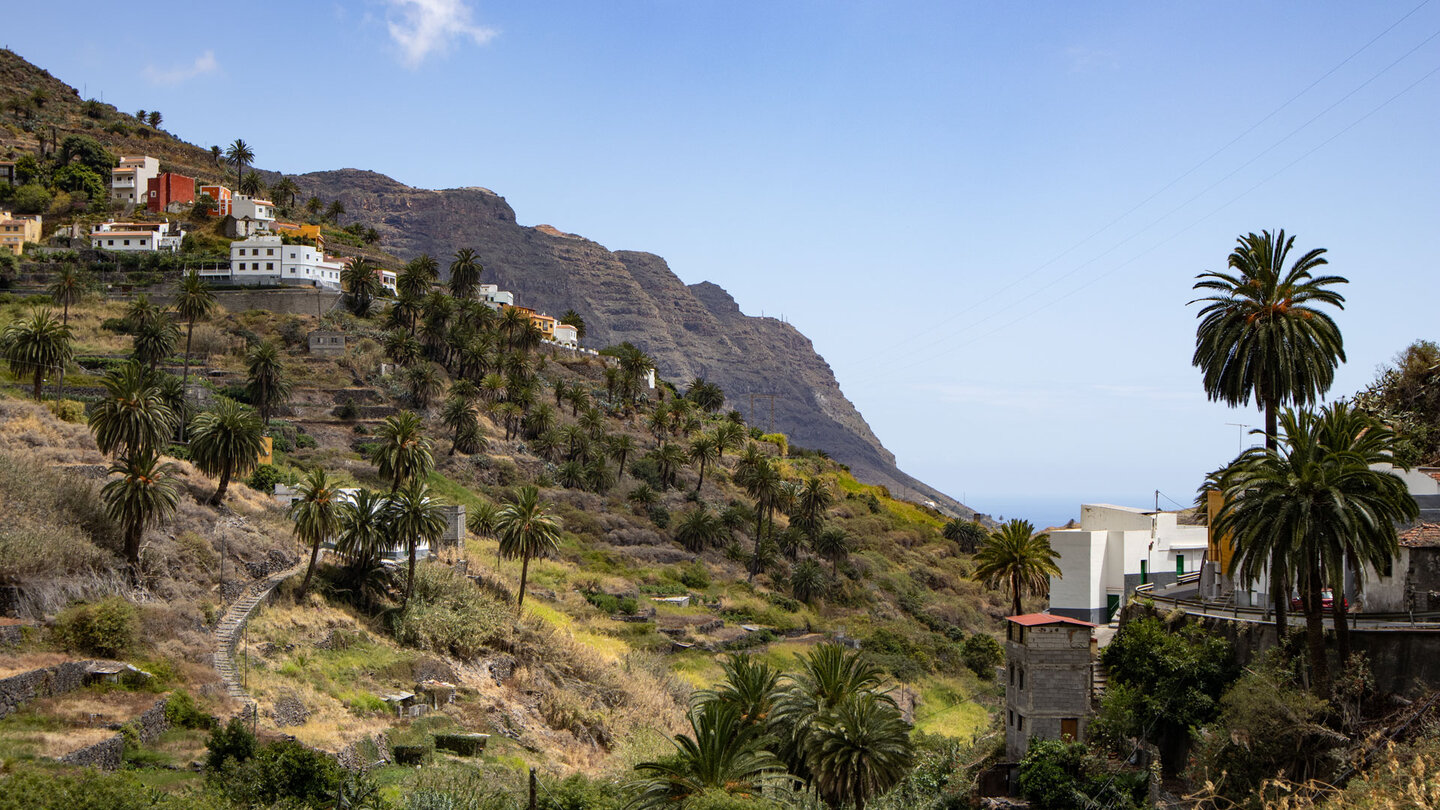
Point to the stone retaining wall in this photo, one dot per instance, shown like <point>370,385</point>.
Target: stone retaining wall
<point>37,683</point>
<point>107,755</point>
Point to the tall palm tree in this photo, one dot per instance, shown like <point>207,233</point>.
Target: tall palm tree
<point>155,340</point>
<point>364,528</point>
<point>131,417</point>
<point>464,274</point>
<point>225,441</point>
<point>728,436</point>
<point>1312,502</point>
<point>1014,556</point>
<point>251,185</point>
<point>669,457</point>
<point>335,211</point>
<point>284,191</point>
<point>402,452</point>
<point>861,749</point>
<point>812,502</point>
<point>703,450</point>
<point>36,346</point>
<point>145,493</point>
<point>526,530</point>
<point>460,416</point>
<point>619,447</point>
<point>67,289</point>
<point>193,302</point>
<point>1262,333</point>
<point>239,154</point>
<point>750,685</point>
<point>723,753</point>
<point>417,517</point>
<point>699,529</point>
<point>828,676</point>
<point>216,153</point>
<point>424,383</point>
<point>316,515</point>
<point>832,544</point>
<point>267,383</point>
<point>764,484</point>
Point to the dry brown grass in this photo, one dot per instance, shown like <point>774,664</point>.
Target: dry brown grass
<point>16,663</point>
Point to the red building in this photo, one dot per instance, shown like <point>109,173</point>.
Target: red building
<point>169,189</point>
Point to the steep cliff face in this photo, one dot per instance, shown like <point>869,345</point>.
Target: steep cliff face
<point>690,331</point>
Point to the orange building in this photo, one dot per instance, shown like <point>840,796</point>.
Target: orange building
<point>222,196</point>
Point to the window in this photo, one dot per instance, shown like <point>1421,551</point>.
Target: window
<point>242,265</point>
<point>269,251</point>
<point>142,243</point>
<point>112,241</point>
<point>269,265</point>
<point>1020,722</point>
<point>1022,680</point>
<point>1389,569</point>
<point>127,241</point>
<point>1010,720</point>
<point>1012,674</point>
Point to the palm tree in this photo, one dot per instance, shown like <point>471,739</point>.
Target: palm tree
<point>226,442</point>
<point>828,676</point>
<point>832,544</point>
<point>807,580</point>
<point>703,450</point>
<point>334,212</point>
<point>145,494</point>
<point>239,153</point>
<point>860,749</point>
<point>425,383</point>
<point>728,436</point>
<point>526,530</point>
<point>699,529</point>
<point>400,346</point>
<point>464,274</point>
<point>140,312</point>
<point>1262,334</point>
<point>155,340</point>
<point>1015,556</point>
<point>619,447</point>
<point>364,528</point>
<point>812,502</point>
<point>314,206</point>
<point>402,452</point>
<point>193,302</point>
<point>723,753</point>
<point>361,282</point>
<point>643,496</point>
<point>706,395</point>
<point>267,384</point>
<point>67,289</point>
<point>252,186</point>
<point>37,346</point>
<point>749,685</point>
<point>131,417</point>
<point>316,515</point>
<point>460,417</point>
<point>572,318</point>
<point>284,191</point>
<point>416,517</point>
<point>764,484</point>
<point>1310,504</point>
<point>216,153</point>
<point>966,533</point>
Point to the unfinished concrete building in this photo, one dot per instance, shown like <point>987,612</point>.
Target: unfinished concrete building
<point>1049,680</point>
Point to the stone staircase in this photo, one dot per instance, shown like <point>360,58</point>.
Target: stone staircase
<point>1099,679</point>
<point>232,624</point>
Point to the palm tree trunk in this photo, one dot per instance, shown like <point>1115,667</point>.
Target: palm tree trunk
<point>219,495</point>
<point>701,482</point>
<point>410,578</point>
<point>310,569</point>
<point>39,381</point>
<point>1337,613</point>
<point>1280,594</point>
<point>1315,633</point>
<point>189,333</point>
<point>524,573</point>
<point>132,550</point>
<point>1015,592</point>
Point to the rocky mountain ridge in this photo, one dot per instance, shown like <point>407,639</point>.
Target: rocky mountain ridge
<point>691,331</point>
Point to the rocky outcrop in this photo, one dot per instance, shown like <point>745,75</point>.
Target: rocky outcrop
<point>690,331</point>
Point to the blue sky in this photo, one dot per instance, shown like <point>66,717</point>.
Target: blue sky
<point>986,216</point>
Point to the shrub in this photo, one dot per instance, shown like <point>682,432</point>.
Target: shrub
<point>181,711</point>
<point>67,410</point>
<point>695,575</point>
<point>347,410</point>
<point>413,753</point>
<point>982,654</point>
<point>1058,775</point>
<point>265,477</point>
<point>107,627</point>
<point>304,441</point>
<point>233,741</point>
<point>660,516</point>
<point>781,442</point>
<point>447,614</point>
<point>465,745</point>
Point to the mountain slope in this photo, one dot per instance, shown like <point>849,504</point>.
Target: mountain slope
<point>690,331</point>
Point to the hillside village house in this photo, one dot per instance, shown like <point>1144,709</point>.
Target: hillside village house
<point>16,231</point>
<point>1115,549</point>
<point>293,230</point>
<point>494,297</point>
<point>544,323</point>
<point>251,215</point>
<point>169,192</point>
<point>137,237</point>
<point>222,196</point>
<point>267,260</point>
<point>567,335</point>
<point>131,179</point>
<point>1049,680</point>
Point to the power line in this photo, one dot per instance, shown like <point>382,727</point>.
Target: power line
<point>1027,276</point>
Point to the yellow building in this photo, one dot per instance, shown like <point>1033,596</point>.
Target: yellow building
<point>302,231</point>
<point>16,231</point>
<point>544,323</point>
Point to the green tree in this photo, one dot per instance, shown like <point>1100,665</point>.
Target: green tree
<point>706,395</point>
<point>417,517</point>
<point>239,154</point>
<point>225,442</point>
<point>193,302</point>
<point>965,533</point>
<point>285,191</point>
<point>67,289</point>
<point>829,675</point>
<point>31,198</point>
<point>267,385</point>
<point>861,749</point>
<point>807,580</point>
<point>670,458</point>
<point>1015,557</point>
<point>573,318</point>
<point>78,178</point>
<point>131,416</point>
<point>37,346</point>
<point>833,544</point>
<point>620,447</point>
<point>252,186</point>
<point>460,416</point>
<point>364,528</point>
<point>749,685</point>
<point>722,753</point>
<point>316,515</point>
<point>144,494</point>
<point>424,383</point>
<point>526,530</point>
<point>402,452</point>
<point>1262,334</point>
<point>155,119</point>
<point>85,151</point>
<point>464,274</point>
<point>812,503</point>
<point>1311,504</point>
<point>704,450</point>
<point>335,211</point>
<point>155,340</point>
<point>361,282</point>
<point>699,529</point>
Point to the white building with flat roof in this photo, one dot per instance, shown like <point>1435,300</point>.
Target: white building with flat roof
<point>267,260</point>
<point>130,180</point>
<point>137,237</point>
<point>1115,549</point>
<point>494,297</point>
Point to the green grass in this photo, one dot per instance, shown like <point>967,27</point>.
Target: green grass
<point>946,707</point>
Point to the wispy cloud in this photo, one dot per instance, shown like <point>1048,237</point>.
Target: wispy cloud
<point>423,27</point>
<point>204,63</point>
<point>1084,60</point>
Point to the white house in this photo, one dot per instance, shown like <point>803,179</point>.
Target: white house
<point>252,215</point>
<point>567,335</point>
<point>1115,549</point>
<point>130,180</point>
<point>494,297</point>
<point>267,260</point>
<point>137,237</point>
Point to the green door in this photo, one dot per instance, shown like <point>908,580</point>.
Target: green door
<point>1144,571</point>
<point>1112,604</point>
<point>1179,565</point>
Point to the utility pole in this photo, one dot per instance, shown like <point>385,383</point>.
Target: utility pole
<point>751,416</point>
<point>532,788</point>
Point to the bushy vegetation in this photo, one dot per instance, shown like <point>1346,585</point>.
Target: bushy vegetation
<point>450,615</point>
<point>107,627</point>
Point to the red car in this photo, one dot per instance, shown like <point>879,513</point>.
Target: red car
<point>1327,601</point>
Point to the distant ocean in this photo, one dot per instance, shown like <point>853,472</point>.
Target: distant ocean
<point>1047,510</point>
